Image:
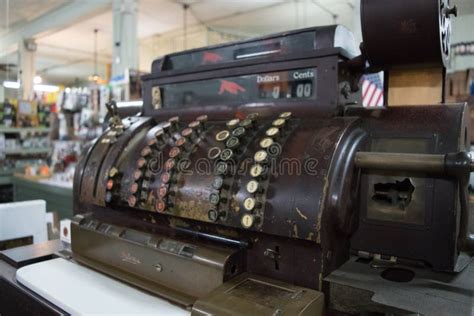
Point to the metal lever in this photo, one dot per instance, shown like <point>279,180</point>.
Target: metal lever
<point>114,119</point>
<point>458,165</point>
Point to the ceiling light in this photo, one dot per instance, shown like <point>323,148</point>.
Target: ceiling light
<point>37,79</point>
<point>11,84</point>
<point>46,88</point>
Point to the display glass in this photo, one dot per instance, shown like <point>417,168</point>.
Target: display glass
<point>283,85</point>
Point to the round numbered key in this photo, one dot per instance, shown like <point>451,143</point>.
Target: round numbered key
<point>169,164</point>
<point>165,177</point>
<point>110,184</point>
<point>187,132</point>
<point>213,152</point>
<point>232,142</point>
<point>137,174</point>
<point>174,152</point>
<point>202,118</point>
<point>260,156</point>
<point>249,203</point>
<point>217,183</point>
<point>256,170</point>
<point>272,132</point>
<point>221,167</point>
<point>213,215</point>
<point>247,220</point>
<point>266,142</point>
<point>285,115</point>
<point>278,122</point>
<point>214,198</point>
<point>226,154</point>
<point>252,186</point>
<point>146,151</point>
<point>246,123</point>
<point>238,132</point>
<point>132,200</point>
<point>222,136</point>
<point>141,163</point>
<point>174,119</point>
<point>113,172</point>
<point>233,123</point>
<point>160,205</point>
<point>134,188</point>
<point>252,116</point>
<point>162,191</point>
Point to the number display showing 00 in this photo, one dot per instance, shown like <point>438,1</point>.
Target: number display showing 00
<point>303,90</point>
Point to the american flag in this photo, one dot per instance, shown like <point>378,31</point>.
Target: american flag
<point>372,90</point>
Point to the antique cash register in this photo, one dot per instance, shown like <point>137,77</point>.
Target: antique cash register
<point>253,172</point>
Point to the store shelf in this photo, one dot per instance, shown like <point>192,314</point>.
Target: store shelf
<point>27,151</point>
<point>17,130</point>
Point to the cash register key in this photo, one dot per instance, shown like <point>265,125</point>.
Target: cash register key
<point>189,133</point>
<point>279,122</point>
<point>246,123</point>
<point>272,132</point>
<point>183,143</point>
<point>160,205</point>
<point>232,142</point>
<point>239,131</point>
<point>134,188</point>
<point>113,172</point>
<point>260,156</point>
<point>247,220</point>
<point>137,174</point>
<point>213,152</point>
<point>162,191</point>
<point>226,154</point>
<point>110,184</point>
<point>256,170</point>
<point>233,123</point>
<point>141,163</point>
<point>253,186</point>
<point>222,168</point>
<point>217,182</point>
<point>169,164</point>
<point>214,198</point>
<point>165,177</point>
<point>146,151</point>
<point>108,197</point>
<point>174,152</point>
<point>151,142</point>
<point>202,119</point>
<point>195,125</point>
<point>266,142</point>
<point>249,203</point>
<point>132,201</point>
<point>285,115</point>
<point>222,135</point>
<point>252,116</point>
<point>174,120</point>
<point>213,215</point>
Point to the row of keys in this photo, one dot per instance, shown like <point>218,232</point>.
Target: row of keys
<point>231,138</point>
<point>183,146</point>
<point>268,148</point>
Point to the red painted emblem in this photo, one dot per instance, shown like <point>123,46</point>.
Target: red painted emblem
<point>231,87</point>
<point>208,57</point>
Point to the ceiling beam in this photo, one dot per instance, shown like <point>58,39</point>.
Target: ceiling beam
<point>61,17</point>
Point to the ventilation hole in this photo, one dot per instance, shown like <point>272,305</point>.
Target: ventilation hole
<point>396,193</point>
<point>398,275</point>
